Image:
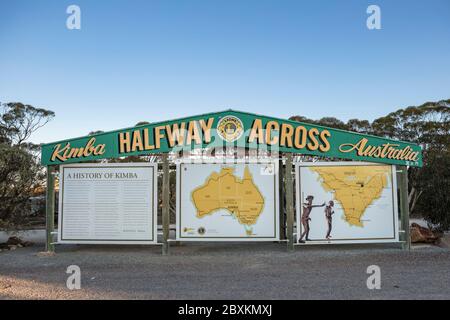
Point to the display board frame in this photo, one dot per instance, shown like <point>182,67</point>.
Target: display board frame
<point>276,236</point>
<point>299,203</point>
<point>154,195</point>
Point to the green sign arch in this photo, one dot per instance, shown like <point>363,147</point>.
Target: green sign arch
<point>232,128</point>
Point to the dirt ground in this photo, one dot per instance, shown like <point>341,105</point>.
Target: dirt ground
<point>224,271</point>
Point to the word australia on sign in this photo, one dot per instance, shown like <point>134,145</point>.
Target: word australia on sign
<point>233,128</point>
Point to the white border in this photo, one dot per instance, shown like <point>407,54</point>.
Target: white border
<point>231,239</point>
<point>346,163</point>
<point>99,165</point>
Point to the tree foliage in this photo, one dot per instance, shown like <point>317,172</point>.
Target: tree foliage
<point>18,121</point>
<point>20,171</point>
<point>429,126</point>
<point>432,184</point>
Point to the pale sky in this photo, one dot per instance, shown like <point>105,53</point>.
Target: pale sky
<point>159,60</point>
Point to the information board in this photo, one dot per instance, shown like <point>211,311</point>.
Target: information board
<point>108,203</point>
<point>346,202</point>
<point>227,201</point>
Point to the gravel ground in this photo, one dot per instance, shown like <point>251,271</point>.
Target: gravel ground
<point>225,271</point>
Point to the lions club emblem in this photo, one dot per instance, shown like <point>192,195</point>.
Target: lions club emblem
<point>230,128</point>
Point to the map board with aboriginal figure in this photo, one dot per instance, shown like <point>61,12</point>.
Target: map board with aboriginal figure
<point>227,201</point>
<point>346,202</point>
<point>108,203</point>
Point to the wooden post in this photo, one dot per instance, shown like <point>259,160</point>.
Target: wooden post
<point>404,207</point>
<point>165,204</point>
<point>281,197</point>
<point>50,209</point>
<point>289,203</point>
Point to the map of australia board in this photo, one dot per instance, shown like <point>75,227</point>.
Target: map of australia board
<point>346,202</point>
<point>227,201</point>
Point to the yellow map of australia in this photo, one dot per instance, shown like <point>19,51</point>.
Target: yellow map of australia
<point>224,190</point>
<point>354,187</point>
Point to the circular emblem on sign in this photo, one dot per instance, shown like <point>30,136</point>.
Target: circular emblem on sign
<point>201,230</point>
<point>230,128</point>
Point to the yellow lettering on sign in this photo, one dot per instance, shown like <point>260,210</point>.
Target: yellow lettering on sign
<point>288,136</point>
<point>175,135</point>
<point>124,142</point>
<point>158,136</point>
<point>256,132</point>
<point>325,146</point>
<point>300,137</point>
<point>68,152</point>
<point>147,145</point>
<point>287,132</point>
<point>137,144</point>
<point>314,143</point>
<point>58,152</point>
<point>206,129</point>
<point>193,133</point>
<point>386,150</point>
<point>271,125</point>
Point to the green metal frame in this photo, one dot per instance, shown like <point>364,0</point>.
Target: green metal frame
<point>289,202</point>
<point>166,205</point>
<point>336,139</point>
<point>50,209</point>
<point>404,207</point>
